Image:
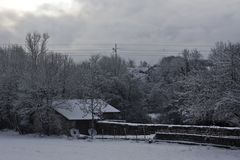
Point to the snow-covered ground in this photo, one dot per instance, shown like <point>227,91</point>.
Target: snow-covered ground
<point>32,147</point>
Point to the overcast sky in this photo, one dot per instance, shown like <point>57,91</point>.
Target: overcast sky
<point>136,24</point>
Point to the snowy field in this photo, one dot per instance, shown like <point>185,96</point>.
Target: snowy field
<point>32,147</point>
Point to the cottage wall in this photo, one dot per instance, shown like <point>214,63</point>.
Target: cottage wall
<point>57,124</point>
<point>111,116</point>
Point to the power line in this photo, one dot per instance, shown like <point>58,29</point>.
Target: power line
<point>166,44</point>
<point>145,52</point>
<point>83,49</point>
<point>144,55</point>
<point>155,50</point>
<point>136,51</point>
<point>110,44</point>
<point>124,50</point>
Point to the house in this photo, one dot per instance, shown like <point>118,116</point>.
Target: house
<point>77,113</point>
<point>154,117</point>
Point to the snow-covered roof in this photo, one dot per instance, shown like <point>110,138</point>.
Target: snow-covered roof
<point>80,109</point>
<point>139,72</point>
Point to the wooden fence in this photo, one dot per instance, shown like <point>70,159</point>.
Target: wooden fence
<point>200,134</point>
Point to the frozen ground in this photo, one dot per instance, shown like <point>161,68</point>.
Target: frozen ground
<point>30,147</point>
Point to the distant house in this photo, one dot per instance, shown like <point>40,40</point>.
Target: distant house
<point>76,113</point>
<point>154,117</point>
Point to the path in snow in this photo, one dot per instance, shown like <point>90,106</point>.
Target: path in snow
<point>16,147</point>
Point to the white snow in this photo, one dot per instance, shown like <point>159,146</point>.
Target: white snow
<point>127,137</point>
<point>32,147</point>
<point>166,125</point>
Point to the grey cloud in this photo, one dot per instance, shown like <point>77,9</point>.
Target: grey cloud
<point>134,21</point>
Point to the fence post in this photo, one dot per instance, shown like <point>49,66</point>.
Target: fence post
<point>102,132</point>
<point>144,133</point>
<point>113,133</point>
<point>136,135</point>
<point>125,132</point>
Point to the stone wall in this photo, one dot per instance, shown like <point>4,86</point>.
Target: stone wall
<point>141,129</point>
<point>228,136</point>
<point>217,140</point>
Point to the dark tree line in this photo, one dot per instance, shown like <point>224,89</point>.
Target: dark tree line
<point>184,89</point>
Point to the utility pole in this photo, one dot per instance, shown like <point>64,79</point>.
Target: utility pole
<point>115,49</point>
